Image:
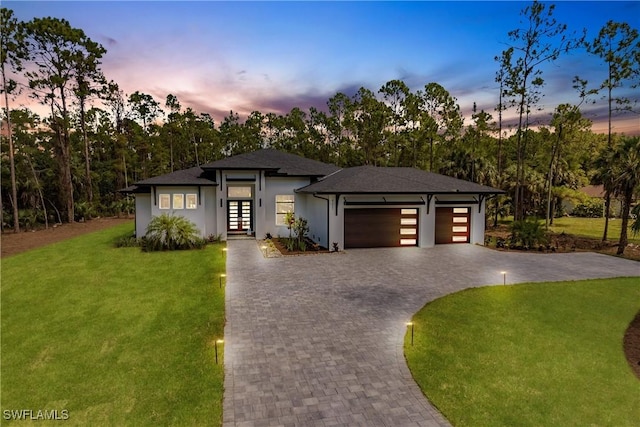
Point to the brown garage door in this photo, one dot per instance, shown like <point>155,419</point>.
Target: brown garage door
<point>380,227</point>
<point>452,225</point>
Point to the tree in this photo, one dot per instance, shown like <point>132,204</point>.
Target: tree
<point>171,127</point>
<point>395,93</point>
<point>368,121</point>
<point>114,98</point>
<point>542,39</point>
<point>618,45</point>
<point>60,55</point>
<point>89,82</point>
<point>568,123</point>
<point>12,53</point>
<point>443,120</point>
<point>626,180</point>
<point>145,109</point>
<point>340,109</point>
<point>231,134</point>
<point>33,161</point>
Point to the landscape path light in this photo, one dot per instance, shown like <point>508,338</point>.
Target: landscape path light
<point>412,325</point>
<point>264,249</point>
<point>504,277</point>
<point>221,276</point>
<point>215,345</point>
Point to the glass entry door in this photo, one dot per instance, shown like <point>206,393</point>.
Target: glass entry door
<point>239,215</point>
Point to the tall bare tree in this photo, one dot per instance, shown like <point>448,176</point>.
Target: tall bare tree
<point>618,45</point>
<point>58,53</point>
<point>12,53</point>
<point>539,40</point>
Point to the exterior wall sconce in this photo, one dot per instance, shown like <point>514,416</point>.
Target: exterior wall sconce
<point>412,326</point>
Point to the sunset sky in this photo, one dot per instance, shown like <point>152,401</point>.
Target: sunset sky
<point>272,56</point>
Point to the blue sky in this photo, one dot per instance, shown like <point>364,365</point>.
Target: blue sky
<point>271,56</point>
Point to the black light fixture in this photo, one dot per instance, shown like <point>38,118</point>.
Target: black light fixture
<point>412,324</point>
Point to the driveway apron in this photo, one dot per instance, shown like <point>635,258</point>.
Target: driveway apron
<point>317,340</point>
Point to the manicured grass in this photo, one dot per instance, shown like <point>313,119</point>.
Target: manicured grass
<point>115,336</point>
<point>587,227</point>
<point>543,354</point>
<point>592,228</point>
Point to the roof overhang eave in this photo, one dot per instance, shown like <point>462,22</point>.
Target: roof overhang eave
<point>375,193</point>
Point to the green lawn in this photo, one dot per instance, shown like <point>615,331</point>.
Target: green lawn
<point>592,227</point>
<point>113,336</point>
<point>587,227</point>
<point>544,354</point>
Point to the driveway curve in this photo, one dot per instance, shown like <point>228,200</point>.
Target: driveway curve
<point>317,340</point>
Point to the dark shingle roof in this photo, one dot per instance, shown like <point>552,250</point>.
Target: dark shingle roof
<point>192,176</point>
<point>275,161</point>
<point>134,189</point>
<point>378,180</point>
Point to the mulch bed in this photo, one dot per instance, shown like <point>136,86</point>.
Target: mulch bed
<point>15,243</point>
<point>568,243</point>
<point>631,345</point>
<point>311,249</point>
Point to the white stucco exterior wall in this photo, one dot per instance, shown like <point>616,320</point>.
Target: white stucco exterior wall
<point>200,216</point>
<point>143,213</point>
<point>426,215</point>
<point>315,211</point>
<point>428,224</point>
<point>282,186</point>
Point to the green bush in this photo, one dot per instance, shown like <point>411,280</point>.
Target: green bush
<point>128,241</point>
<point>527,233</point>
<point>591,208</point>
<point>169,232</point>
<point>84,211</point>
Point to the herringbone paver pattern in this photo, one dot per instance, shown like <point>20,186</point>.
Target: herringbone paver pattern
<point>317,340</point>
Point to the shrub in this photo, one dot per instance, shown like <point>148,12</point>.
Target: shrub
<point>84,211</point>
<point>527,233</point>
<point>299,227</point>
<point>169,232</point>
<point>591,208</point>
<point>214,238</point>
<point>128,242</point>
<point>635,215</point>
<point>290,244</point>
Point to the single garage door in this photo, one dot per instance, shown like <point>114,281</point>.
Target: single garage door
<point>380,227</point>
<point>452,225</point>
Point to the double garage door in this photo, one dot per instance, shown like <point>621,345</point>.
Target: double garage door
<point>380,227</point>
<point>388,227</point>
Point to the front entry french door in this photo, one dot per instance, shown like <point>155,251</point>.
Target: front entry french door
<point>239,215</point>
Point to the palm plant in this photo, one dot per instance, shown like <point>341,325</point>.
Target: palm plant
<point>626,181</point>
<point>169,232</point>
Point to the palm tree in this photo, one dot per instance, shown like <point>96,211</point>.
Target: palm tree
<point>626,181</point>
<point>605,176</point>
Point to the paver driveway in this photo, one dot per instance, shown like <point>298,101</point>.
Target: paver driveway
<point>317,340</point>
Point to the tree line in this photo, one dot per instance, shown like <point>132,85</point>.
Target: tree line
<point>96,139</point>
